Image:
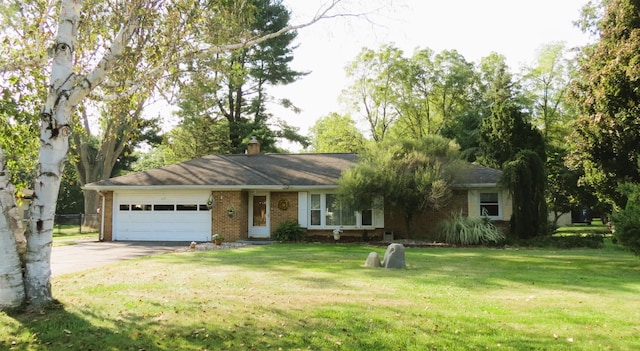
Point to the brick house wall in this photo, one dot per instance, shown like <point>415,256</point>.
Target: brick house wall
<point>424,225</point>
<point>284,207</point>
<point>231,228</point>
<point>107,217</point>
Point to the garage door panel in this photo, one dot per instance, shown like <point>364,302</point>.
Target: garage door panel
<point>186,221</point>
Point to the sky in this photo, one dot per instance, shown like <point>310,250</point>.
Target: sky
<point>513,28</point>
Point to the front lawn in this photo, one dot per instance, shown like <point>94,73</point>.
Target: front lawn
<point>320,297</point>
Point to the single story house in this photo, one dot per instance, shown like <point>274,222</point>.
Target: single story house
<point>249,195</point>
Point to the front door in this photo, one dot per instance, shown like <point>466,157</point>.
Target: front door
<point>259,216</point>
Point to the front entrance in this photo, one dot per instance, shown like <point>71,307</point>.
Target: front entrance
<point>259,216</point>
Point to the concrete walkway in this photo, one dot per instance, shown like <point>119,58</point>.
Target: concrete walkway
<point>90,254</point>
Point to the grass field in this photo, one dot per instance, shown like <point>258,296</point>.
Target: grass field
<point>68,234</point>
<point>320,297</point>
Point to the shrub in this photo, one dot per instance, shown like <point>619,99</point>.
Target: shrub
<point>627,221</point>
<point>462,230</point>
<point>289,231</point>
<point>591,241</point>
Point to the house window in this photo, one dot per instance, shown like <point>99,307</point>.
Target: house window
<point>326,210</point>
<point>367,217</point>
<point>315,209</point>
<point>337,214</point>
<point>489,205</point>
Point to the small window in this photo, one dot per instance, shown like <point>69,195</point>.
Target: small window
<point>367,217</point>
<point>124,207</point>
<point>203,207</point>
<point>140,207</point>
<point>186,207</point>
<point>163,207</point>
<point>315,209</point>
<point>489,205</point>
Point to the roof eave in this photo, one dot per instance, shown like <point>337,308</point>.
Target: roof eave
<point>476,186</point>
<point>207,187</point>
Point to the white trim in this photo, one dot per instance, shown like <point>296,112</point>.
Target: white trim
<point>166,225</point>
<point>259,231</point>
<point>303,209</point>
<point>102,211</point>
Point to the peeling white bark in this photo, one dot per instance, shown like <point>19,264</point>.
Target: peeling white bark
<point>54,144</point>
<point>12,292</point>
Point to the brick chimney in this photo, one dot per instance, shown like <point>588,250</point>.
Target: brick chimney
<point>253,148</point>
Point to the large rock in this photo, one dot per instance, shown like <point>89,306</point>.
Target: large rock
<point>394,257</point>
<point>373,260</point>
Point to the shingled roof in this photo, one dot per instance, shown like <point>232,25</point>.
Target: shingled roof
<point>240,171</point>
<point>262,171</point>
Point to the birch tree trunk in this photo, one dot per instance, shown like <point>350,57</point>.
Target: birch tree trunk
<point>54,144</point>
<point>66,89</point>
<point>12,292</point>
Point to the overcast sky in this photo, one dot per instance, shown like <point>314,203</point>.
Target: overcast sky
<point>514,28</point>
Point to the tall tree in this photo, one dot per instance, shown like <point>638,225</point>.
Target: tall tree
<point>524,176</point>
<point>545,85</point>
<point>233,86</point>
<point>508,141</point>
<point>372,93</point>
<point>607,92</point>
<point>336,133</point>
<point>508,130</point>
<point>70,85</point>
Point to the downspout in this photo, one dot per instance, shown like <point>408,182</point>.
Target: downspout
<point>102,211</point>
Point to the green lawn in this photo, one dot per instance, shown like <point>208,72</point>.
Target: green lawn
<point>69,234</point>
<point>320,297</point>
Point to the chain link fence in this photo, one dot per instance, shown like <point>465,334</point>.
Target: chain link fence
<point>76,223</point>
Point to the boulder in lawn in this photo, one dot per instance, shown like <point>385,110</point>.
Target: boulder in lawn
<point>394,257</point>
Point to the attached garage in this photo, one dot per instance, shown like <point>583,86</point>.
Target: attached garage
<point>161,215</point>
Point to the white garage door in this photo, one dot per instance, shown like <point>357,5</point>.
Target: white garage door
<point>161,216</point>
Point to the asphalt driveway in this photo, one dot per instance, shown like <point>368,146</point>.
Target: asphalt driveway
<point>90,254</point>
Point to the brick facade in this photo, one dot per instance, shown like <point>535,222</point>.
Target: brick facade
<point>284,207</point>
<point>107,225</point>
<point>424,225</point>
<point>232,228</point>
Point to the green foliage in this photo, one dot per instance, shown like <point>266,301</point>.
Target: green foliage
<point>372,93</point>
<point>462,230</point>
<point>411,175</point>
<point>507,131</point>
<point>289,231</point>
<point>232,87</point>
<point>19,127</point>
<point>627,220</point>
<point>525,178</point>
<point>336,133</point>
<point>607,93</point>
<point>70,199</point>
<point>590,241</point>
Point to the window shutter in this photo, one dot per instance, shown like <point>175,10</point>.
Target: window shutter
<point>303,209</point>
<point>378,212</point>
